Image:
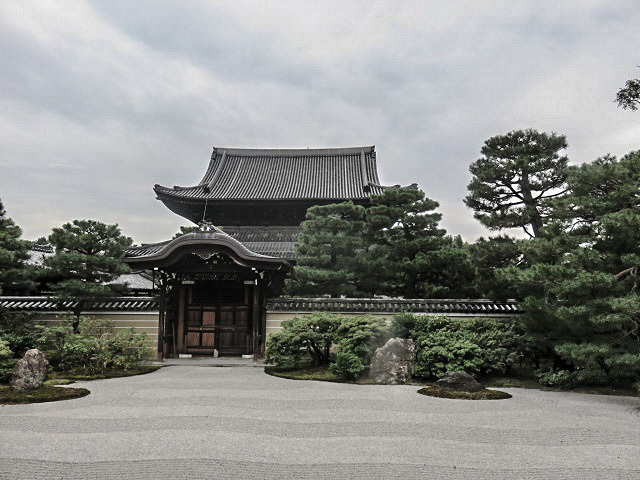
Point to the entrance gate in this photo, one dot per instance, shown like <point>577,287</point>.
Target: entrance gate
<point>218,316</point>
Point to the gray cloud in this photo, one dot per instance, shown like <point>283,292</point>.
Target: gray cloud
<point>100,100</point>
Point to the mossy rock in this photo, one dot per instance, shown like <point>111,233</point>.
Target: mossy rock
<point>80,376</point>
<point>8,396</point>
<point>434,391</point>
<point>321,373</point>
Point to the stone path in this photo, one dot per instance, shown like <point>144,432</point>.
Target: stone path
<point>190,422</point>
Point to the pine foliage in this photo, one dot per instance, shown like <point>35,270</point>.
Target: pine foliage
<point>408,248</point>
<point>516,174</point>
<point>88,255</point>
<point>14,252</point>
<point>330,239</point>
<point>579,286</point>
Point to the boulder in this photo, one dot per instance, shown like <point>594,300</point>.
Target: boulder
<point>460,382</point>
<point>30,372</point>
<point>392,364</point>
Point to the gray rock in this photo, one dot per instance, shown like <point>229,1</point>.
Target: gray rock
<point>459,381</point>
<point>30,372</point>
<point>392,364</point>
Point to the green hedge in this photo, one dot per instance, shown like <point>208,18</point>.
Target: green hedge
<point>97,347</point>
<point>344,343</point>
<point>475,345</point>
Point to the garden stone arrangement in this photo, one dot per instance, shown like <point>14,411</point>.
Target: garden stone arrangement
<point>30,371</point>
<point>393,363</point>
<point>460,382</point>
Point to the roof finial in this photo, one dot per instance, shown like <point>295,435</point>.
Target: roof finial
<point>204,213</point>
<point>206,226</point>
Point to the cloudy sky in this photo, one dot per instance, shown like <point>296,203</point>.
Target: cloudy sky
<point>101,100</point>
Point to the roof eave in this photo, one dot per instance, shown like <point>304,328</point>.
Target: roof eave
<point>224,241</point>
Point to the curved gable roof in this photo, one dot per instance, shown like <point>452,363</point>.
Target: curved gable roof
<point>158,253</point>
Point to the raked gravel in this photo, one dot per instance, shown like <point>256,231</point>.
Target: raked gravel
<point>190,422</point>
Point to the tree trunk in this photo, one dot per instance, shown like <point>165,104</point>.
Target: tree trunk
<point>410,287</point>
<point>530,205</point>
<point>76,312</point>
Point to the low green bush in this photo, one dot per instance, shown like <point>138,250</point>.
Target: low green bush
<point>556,379</point>
<point>16,337</point>
<point>443,351</point>
<point>5,351</point>
<point>347,365</point>
<point>96,348</point>
<point>6,369</point>
<point>7,362</point>
<point>314,334</point>
<point>321,335</point>
<point>475,345</point>
<point>357,339</point>
<point>17,330</point>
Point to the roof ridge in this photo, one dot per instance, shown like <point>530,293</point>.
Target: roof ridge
<point>294,151</point>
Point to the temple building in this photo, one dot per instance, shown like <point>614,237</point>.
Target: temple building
<point>249,205</point>
<point>220,286</point>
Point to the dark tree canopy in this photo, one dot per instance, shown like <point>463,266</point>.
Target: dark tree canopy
<point>580,288</point>
<point>88,255</point>
<point>14,275</point>
<point>406,240</point>
<point>488,256</point>
<point>628,97</point>
<point>517,173</point>
<point>330,238</point>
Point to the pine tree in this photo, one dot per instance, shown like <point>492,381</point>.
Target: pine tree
<point>517,173</point>
<point>581,297</point>
<point>14,252</point>
<point>407,244</point>
<point>88,255</point>
<point>488,256</point>
<point>330,239</point>
<point>628,97</point>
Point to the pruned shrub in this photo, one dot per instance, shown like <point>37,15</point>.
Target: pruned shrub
<point>475,345</point>
<point>347,365</point>
<point>96,348</point>
<point>357,338</point>
<point>443,351</point>
<point>556,379</point>
<point>7,362</point>
<point>314,334</point>
<point>17,329</point>
<point>318,335</point>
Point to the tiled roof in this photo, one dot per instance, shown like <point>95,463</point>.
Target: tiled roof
<point>291,174</point>
<point>37,254</point>
<point>37,247</point>
<point>275,241</point>
<point>134,281</point>
<point>146,249</point>
<point>444,306</point>
<point>47,304</point>
<point>157,251</point>
<point>263,233</point>
<point>253,241</point>
<point>273,249</point>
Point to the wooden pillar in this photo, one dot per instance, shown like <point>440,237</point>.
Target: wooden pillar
<point>256,320</point>
<point>263,330</point>
<point>161,318</point>
<point>181,309</point>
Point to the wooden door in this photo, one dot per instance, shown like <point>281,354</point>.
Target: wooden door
<point>218,316</point>
<point>233,329</point>
<point>201,325</point>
